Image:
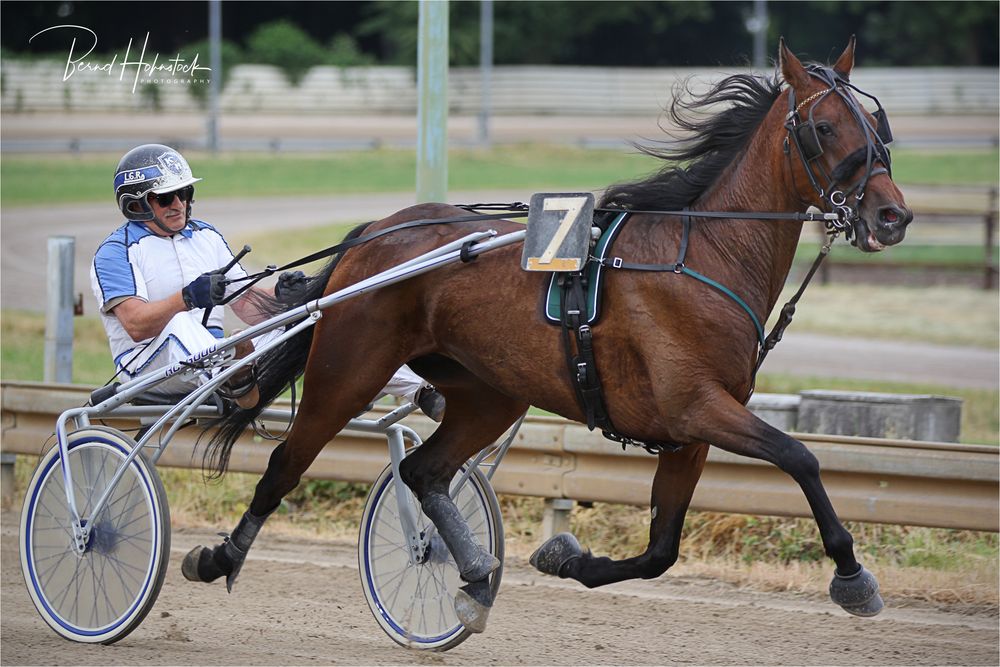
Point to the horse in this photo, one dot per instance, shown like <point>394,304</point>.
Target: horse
<point>676,357</point>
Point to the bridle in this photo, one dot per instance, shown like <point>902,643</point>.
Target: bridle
<point>803,135</point>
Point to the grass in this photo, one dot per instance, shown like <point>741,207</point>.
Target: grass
<point>945,315</point>
<point>529,167</point>
<point>946,168</point>
<point>25,181</point>
<point>943,255</point>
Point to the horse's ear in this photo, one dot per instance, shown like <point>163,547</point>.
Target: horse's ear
<point>794,73</point>
<point>845,63</point>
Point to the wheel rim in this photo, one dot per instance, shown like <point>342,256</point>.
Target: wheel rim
<point>94,594</point>
<point>415,603</point>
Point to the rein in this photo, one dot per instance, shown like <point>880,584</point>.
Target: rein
<point>520,211</point>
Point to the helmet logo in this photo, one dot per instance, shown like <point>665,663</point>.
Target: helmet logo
<point>173,163</point>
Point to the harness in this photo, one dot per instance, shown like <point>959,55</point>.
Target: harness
<point>578,310</point>
<point>803,134</point>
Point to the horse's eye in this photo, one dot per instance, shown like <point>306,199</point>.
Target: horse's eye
<point>824,129</point>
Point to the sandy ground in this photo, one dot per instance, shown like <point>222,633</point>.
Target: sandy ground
<point>299,601</point>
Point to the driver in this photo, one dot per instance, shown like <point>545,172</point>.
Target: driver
<point>155,276</point>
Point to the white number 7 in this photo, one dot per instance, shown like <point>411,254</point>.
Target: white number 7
<point>572,206</point>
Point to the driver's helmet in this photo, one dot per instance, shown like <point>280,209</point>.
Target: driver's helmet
<point>149,168</point>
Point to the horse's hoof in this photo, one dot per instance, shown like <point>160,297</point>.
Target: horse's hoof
<point>198,565</point>
<point>556,552</point>
<point>483,566</point>
<point>857,594</point>
<point>472,605</point>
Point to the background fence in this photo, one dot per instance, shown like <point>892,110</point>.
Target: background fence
<point>530,90</point>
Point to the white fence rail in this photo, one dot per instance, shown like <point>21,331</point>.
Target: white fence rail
<point>525,90</point>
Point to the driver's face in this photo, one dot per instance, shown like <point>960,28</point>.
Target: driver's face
<point>173,216</point>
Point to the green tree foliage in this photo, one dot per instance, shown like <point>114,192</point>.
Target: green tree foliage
<point>623,33</point>
<point>556,32</point>
<point>343,51</point>
<point>907,33</point>
<point>953,33</point>
<point>287,46</point>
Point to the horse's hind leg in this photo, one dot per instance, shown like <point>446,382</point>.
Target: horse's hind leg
<point>729,425</point>
<point>477,415</point>
<point>677,473</point>
<point>325,409</point>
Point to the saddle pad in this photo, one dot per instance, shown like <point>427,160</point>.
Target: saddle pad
<point>595,269</point>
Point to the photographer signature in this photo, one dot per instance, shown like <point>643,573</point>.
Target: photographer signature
<point>143,68</point>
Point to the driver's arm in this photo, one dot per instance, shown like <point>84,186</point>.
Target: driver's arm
<point>146,319</point>
<point>247,310</point>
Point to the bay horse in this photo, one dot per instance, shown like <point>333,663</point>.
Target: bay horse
<point>677,357</point>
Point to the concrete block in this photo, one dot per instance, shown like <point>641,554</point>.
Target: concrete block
<point>779,410</point>
<point>903,416</point>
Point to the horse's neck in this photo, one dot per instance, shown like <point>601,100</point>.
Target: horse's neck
<point>763,249</point>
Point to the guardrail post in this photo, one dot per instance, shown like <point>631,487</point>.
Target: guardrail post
<point>59,311</point>
<point>990,222</point>
<point>7,462</point>
<point>555,518</point>
<point>432,101</point>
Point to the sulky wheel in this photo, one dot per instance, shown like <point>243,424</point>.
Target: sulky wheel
<point>103,593</point>
<point>414,602</point>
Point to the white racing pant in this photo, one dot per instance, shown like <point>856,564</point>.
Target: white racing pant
<point>184,335</point>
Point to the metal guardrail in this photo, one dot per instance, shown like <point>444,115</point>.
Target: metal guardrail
<point>869,479</point>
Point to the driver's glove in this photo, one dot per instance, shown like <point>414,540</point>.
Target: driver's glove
<point>291,287</point>
<point>205,291</point>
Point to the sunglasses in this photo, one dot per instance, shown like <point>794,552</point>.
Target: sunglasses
<point>167,198</point>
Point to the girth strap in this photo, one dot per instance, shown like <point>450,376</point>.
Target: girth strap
<point>583,365</point>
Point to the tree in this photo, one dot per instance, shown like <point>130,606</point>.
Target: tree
<point>285,45</point>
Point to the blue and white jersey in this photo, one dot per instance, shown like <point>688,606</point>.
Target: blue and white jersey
<point>135,262</point>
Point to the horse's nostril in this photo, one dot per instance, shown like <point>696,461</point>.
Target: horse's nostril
<point>893,216</point>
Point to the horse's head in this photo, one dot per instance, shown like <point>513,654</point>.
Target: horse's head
<point>838,152</point>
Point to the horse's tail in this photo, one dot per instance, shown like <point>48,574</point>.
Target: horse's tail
<point>276,370</point>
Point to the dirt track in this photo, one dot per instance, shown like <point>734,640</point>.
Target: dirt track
<point>300,602</point>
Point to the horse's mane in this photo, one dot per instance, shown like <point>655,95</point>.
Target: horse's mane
<point>709,143</point>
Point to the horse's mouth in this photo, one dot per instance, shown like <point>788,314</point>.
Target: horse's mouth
<point>877,240</point>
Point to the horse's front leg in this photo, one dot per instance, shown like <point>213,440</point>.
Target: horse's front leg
<point>677,474</point>
<point>727,424</point>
